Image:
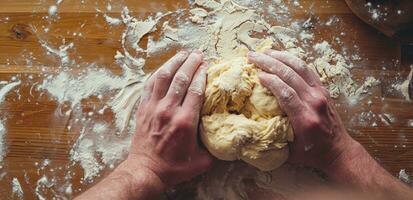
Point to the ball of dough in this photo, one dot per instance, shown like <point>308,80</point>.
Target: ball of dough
<point>241,119</point>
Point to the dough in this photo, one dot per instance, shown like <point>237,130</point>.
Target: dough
<point>242,119</point>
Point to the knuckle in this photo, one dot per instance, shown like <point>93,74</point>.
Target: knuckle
<point>163,75</point>
<point>147,87</point>
<point>196,93</point>
<point>196,90</point>
<point>164,112</point>
<point>176,61</point>
<point>197,57</point>
<point>178,58</point>
<point>312,122</point>
<point>290,78</point>
<point>284,56</point>
<point>146,93</point>
<point>286,73</point>
<point>272,68</point>
<point>303,65</point>
<point>320,103</point>
<point>181,79</point>
<point>287,95</point>
<point>145,96</point>
<point>326,92</point>
<point>267,63</point>
<point>183,122</point>
<point>303,68</point>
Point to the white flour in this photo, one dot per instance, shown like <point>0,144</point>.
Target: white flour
<point>42,183</point>
<point>84,153</point>
<point>66,87</point>
<point>112,21</point>
<point>3,92</point>
<point>61,52</point>
<point>334,71</point>
<point>403,176</point>
<point>375,11</point>
<point>52,10</point>
<point>7,88</point>
<point>17,188</point>
<point>2,142</point>
<point>97,148</point>
<point>404,87</point>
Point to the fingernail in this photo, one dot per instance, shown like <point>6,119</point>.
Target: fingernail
<point>268,51</point>
<point>204,65</point>
<point>260,74</point>
<point>197,51</point>
<point>273,52</point>
<point>252,54</point>
<point>204,71</point>
<point>183,53</point>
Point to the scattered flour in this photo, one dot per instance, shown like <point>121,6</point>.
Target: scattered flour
<point>52,10</point>
<point>61,53</point>
<point>403,176</point>
<point>99,140</point>
<point>17,188</point>
<point>375,11</point>
<point>406,85</point>
<point>124,103</point>
<point>3,92</point>
<point>7,88</point>
<point>410,123</point>
<point>136,29</point>
<point>41,184</point>
<point>66,87</point>
<point>112,21</point>
<point>181,36</point>
<point>198,15</point>
<point>334,71</point>
<point>84,153</point>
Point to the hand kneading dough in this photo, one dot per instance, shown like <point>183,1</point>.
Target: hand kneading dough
<point>242,119</point>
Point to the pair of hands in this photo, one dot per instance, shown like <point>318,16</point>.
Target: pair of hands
<point>166,144</point>
<point>165,149</point>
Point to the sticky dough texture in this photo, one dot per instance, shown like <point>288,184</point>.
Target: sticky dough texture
<point>242,119</point>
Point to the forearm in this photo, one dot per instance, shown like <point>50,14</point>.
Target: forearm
<point>356,168</point>
<point>126,182</point>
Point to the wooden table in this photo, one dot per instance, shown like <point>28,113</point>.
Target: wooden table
<point>34,133</point>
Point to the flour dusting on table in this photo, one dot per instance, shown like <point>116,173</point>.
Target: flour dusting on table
<point>17,189</point>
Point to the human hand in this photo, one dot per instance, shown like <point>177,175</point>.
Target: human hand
<point>320,136</point>
<point>166,143</point>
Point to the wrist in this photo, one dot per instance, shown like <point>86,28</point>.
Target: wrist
<point>142,182</point>
<point>350,151</point>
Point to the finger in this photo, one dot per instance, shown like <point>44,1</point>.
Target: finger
<point>297,65</point>
<point>195,95</point>
<point>163,76</point>
<point>285,73</point>
<point>183,77</point>
<point>145,98</point>
<point>286,96</point>
<point>147,90</point>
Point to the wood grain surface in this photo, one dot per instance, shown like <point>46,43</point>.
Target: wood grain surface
<point>35,132</point>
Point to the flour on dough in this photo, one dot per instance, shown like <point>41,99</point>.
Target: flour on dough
<point>242,119</point>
